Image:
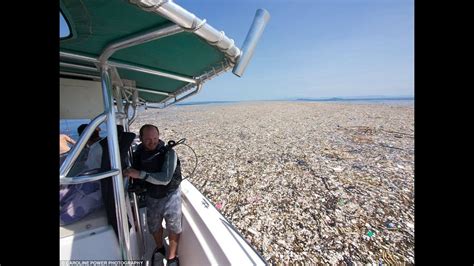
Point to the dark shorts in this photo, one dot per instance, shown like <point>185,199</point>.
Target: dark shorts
<point>168,208</point>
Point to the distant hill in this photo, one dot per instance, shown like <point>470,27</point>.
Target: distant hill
<point>331,99</point>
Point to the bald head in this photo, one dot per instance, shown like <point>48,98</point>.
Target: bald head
<point>150,137</point>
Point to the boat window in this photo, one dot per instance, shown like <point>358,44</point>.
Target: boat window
<point>69,127</point>
<point>64,30</point>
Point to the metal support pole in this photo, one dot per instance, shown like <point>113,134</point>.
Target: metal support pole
<point>118,100</point>
<point>136,214</point>
<point>114,155</point>
<point>134,106</point>
<point>135,210</point>
<point>152,72</point>
<point>152,35</point>
<point>124,66</point>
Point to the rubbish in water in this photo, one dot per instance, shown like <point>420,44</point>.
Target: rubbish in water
<point>390,225</point>
<point>301,162</point>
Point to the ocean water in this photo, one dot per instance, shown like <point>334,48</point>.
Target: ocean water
<point>69,127</point>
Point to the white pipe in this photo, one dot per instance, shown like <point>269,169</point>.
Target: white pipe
<point>258,25</point>
<point>190,22</point>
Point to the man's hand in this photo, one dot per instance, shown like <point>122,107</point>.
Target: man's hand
<point>133,173</point>
<point>64,141</point>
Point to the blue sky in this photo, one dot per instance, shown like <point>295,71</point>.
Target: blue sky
<point>315,48</point>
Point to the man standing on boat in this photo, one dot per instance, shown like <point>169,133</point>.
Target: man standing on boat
<point>159,167</point>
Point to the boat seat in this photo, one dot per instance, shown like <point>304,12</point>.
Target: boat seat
<point>91,238</point>
<point>94,220</point>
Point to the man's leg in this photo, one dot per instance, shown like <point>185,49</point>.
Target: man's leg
<point>173,216</point>
<point>173,248</point>
<point>154,219</point>
<point>158,236</point>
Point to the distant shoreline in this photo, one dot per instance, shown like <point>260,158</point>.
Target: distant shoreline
<point>403,100</point>
<point>208,102</point>
<point>336,99</point>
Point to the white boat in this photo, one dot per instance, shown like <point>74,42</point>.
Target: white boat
<point>119,56</point>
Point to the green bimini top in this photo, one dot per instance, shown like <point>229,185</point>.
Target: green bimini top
<point>191,51</point>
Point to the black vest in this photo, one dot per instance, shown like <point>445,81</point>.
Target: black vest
<point>143,163</point>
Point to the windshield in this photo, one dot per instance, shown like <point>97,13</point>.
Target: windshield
<point>69,127</point>
<point>64,30</point>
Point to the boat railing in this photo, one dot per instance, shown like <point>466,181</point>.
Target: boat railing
<point>76,150</point>
<point>88,178</point>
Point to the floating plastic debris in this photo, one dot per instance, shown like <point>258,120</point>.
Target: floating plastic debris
<point>300,181</point>
<point>370,233</point>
